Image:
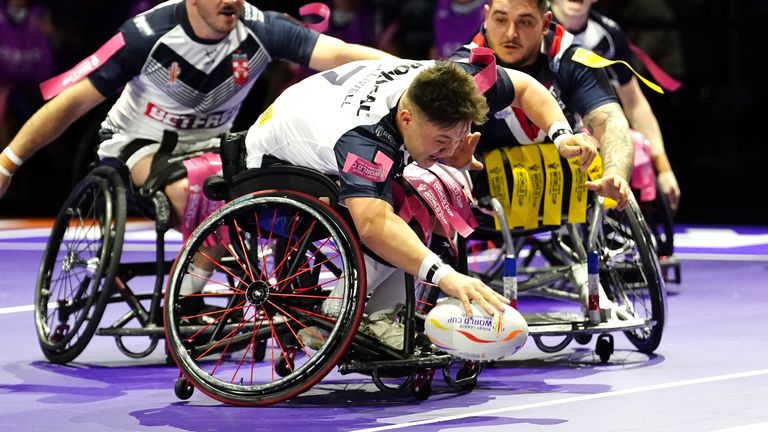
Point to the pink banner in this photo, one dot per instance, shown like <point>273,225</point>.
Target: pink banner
<point>486,78</point>
<point>376,171</point>
<point>319,9</point>
<point>58,84</point>
<point>661,77</point>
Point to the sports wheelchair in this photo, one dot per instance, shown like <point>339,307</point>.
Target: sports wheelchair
<point>81,270</point>
<point>580,266</point>
<point>287,247</point>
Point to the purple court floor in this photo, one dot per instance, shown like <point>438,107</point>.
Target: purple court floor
<point>709,374</point>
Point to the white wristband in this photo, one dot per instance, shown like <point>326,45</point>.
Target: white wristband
<point>559,131</point>
<point>426,264</point>
<point>12,156</point>
<point>433,269</point>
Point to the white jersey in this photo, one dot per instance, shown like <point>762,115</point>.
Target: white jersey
<point>342,122</point>
<point>176,81</point>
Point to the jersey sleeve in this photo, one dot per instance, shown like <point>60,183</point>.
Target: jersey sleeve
<point>621,49</point>
<point>126,63</point>
<point>583,88</point>
<point>360,143</point>
<point>284,37</point>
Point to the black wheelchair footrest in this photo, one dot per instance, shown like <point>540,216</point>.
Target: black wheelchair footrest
<point>432,361</point>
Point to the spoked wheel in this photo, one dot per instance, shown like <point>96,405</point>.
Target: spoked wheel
<point>631,275</point>
<point>287,252</point>
<point>78,267</point>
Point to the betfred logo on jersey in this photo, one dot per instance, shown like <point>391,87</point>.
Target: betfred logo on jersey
<point>190,121</point>
<point>240,68</point>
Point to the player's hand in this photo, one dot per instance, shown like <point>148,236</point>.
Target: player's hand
<point>468,289</point>
<point>581,145</point>
<point>669,187</point>
<point>614,187</point>
<point>464,154</point>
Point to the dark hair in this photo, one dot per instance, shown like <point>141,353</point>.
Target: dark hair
<point>447,95</point>
<point>543,5</point>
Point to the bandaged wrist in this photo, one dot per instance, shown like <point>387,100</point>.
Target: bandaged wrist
<point>12,157</point>
<point>433,269</point>
<point>559,131</point>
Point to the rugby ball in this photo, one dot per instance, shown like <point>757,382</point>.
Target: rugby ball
<point>481,337</point>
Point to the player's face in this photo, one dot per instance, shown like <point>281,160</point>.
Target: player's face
<point>218,17</point>
<point>565,9</point>
<point>428,143</point>
<point>515,30</point>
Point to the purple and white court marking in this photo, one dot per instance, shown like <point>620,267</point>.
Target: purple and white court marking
<point>709,374</point>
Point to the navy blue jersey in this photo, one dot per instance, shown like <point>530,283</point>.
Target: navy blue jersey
<point>603,36</point>
<point>579,90</point>
<point>174,80</point>
<point>342,122</point>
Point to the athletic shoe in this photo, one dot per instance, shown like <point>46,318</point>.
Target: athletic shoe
<point>381,325</point>
<point>313,337</point>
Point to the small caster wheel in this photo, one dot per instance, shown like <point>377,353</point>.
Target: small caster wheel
<point>604,347</point>
<point>422,385</point>
<point>422,392</point>
<point>583,338</point>
<point>469,370</point>
<point>183,388</point>
<point>260,352</point>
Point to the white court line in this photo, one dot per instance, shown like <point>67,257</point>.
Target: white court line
<point>583,398</point>
<point>16,309</point>
<point>755,427</point>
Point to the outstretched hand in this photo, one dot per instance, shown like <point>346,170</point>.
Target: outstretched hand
<point>464,155</point>
<point>580,145</point>
<point>612,186</point>
<point>669,187</point>
<point>468,289</point>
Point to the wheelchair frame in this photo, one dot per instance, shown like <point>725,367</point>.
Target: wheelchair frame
<point>608,268</point>
<point>81,273</point>
<point>280,243</point>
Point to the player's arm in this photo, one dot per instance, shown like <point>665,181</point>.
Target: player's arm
<point>50,121</point>
<point>390,237</point>
<point>641,118</point>
<point>542,108</point>
<point>330,52</point>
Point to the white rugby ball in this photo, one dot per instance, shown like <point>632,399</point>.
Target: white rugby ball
<point>481,337</point>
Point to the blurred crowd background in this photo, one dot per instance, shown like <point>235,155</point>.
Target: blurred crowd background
<point>713,126</point>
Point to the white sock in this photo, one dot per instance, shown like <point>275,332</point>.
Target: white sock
<point>192,284</point>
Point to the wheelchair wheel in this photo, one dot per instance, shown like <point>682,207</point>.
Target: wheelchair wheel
<point>79,265</point>
<point>660,218</point>
<point>288,252</point>
<point>631,275</point>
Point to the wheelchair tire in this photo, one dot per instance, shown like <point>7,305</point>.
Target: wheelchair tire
<point>79,265</point>
<point>283,272</point>
<point>633,279</point>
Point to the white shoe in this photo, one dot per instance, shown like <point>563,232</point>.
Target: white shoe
<point>331,306</point>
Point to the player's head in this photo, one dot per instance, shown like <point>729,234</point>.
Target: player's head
<point>438,110</point>
<point>515,30</point>
<point>214,19</point>
<point>572,14</point>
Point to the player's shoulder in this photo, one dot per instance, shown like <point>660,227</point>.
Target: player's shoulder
<point>605,22</point>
